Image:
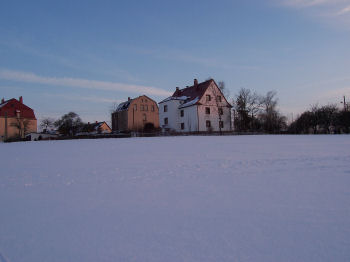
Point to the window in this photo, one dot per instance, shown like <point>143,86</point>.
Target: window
<point>221,124</point>
<point>181,113</point>
<point>152,108</point>
<point>218,98</point>
<point>165,108</point>
<point>146,107</point>
<point>182,126</point>
<point>165,121</point>
<point>135,107</point>
<point>207,123</point>
<point>144,117</point>
<point>208,98</point>
<point>207,110</point>
<point>221,112</point>
<point>142,108</point>
<point>142,100</point>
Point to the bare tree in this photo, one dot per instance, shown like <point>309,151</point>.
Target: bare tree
<point>272,120</point>
<point>69,124</point>
<point>223,89</point>
<point>22,126</point>
<point>247,105</point>
<point>47,123</point>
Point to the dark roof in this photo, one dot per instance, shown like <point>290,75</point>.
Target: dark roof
<point>11,107</point>
<point>191,94</point>
<point>123,106</point>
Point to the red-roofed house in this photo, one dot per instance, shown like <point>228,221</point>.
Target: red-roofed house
<point>198,108</point>
<point>16,119</point>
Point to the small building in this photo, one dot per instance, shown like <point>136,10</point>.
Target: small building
<point>16,119</point>
<point>41,136</point>
<point>95,128</point>
<point>198,108</point>
<point>138,114</point>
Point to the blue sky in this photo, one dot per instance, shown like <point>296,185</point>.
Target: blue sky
<point>83,56</point>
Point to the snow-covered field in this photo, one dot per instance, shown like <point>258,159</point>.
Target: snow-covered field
<point>232,198</point>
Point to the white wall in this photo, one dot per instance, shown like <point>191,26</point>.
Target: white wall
<point>196,121</point>
<point>172,114</point>
<point>189,119</point>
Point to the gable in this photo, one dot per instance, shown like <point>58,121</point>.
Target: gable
<point>12,106</point>
<point>213,91</point>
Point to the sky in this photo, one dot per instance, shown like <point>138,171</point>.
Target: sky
<point>86,56</point>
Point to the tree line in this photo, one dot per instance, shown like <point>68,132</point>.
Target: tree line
<point>69,124</point>
<point>253,112</point>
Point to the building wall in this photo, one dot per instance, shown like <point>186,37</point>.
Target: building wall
<point>189,119</point>
<point>13,131</point>
<point>195,117</point>
<point>105,128</point>
<point>214,106</point>
<point>120,121</point>
<point>172,114</point>
<point>138,114</point>
<point>214,119</point>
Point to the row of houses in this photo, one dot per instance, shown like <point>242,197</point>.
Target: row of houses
<point>201,107</point>
<point>198,108</point>
<point>18,120</point>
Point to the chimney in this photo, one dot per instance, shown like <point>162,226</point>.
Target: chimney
<point>177,88</point>
<point>195,82</point>
<point>88,123</point>
<point>129,98</point>
<point>96,122</point>
<point>2,100</point>
<point>21,99</point>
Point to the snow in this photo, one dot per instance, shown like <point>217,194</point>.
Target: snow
<point>203,198</point>
<point>173,98</point>
<point>190,103</point>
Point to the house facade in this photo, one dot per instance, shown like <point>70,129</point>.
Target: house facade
<point>198,108</point>
<point>16,119</point>
<point>136,114</point>
<point>95,128</point>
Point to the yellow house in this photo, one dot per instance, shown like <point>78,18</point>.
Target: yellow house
<point>136,114</point>
<point>16,119</point>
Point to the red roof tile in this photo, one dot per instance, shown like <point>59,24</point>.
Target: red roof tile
<point>193,92</point>
<point>11,107</point>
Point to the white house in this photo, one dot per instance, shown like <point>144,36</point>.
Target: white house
<point>198,108</point>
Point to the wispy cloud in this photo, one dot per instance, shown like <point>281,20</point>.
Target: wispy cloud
<point>332,11</point>
<point>92,99</point>
<point>80,83</point>
<point>344,10</point>
<point>185,57</point>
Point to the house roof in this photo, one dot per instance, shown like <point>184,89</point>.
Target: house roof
<point>190,95</point>
<point>125,105</point>
<point>91,127</point>
<point>11,106</point>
